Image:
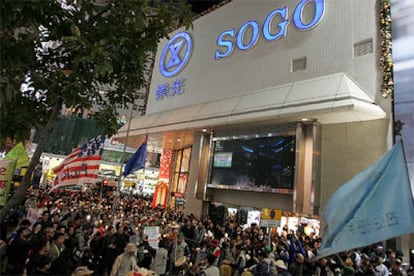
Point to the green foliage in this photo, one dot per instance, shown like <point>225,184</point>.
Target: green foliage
<point>73,53</point>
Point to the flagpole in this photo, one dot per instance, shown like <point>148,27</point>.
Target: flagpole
<point>118,186</point>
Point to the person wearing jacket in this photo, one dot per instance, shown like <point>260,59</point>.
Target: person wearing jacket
<point>126,261</point>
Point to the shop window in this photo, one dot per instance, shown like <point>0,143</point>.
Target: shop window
<point>180,176</point>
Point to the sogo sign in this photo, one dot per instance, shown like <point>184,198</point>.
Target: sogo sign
<point>226,38</point>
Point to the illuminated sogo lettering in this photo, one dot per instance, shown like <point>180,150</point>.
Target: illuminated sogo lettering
<point>226,38</point>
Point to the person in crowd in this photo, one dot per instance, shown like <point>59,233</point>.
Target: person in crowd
<point>70,238</point>
<point>18,251</point>
<point>64,264</point>
<point>261,268</point>
<point>45,219</point>
<point>282,269</point>
<point>179,249</point>
<point>239,261</point>
<point>138,238</point>
<point>37,231</point>
<point>347,266</point>
<point>199,232</point>
<point>41,249</point>
<point>297,268</point>
<point>211,269</point>
<point>57,246</point>
<point>108,249</point>
<point>122,240</point>
<point>215,250</point>
<point>390,258</point>
<point>365,267</point>
<point>322,268</point>
<point>160,262</point>
<point>42,267</point>
<point>96,251</point>
<point>380,268</point>
<point>125,262</point>
<point>379,252</point>
<point>82,250</point>
<point>24,223</point>
<point>78,208</point>
<point>396,268</point>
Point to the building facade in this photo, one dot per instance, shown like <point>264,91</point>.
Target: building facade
<point>269,104</point>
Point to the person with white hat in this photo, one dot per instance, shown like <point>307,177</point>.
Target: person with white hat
<point>281,268</point>
<point>82,271</point>
<point>126,261</point>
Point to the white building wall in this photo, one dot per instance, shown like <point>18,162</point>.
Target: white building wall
<point>328,48</point>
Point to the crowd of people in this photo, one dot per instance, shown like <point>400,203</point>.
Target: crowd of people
<point>63,233</point>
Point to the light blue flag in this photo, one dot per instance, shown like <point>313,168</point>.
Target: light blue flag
<point>375,205</point>
<point>137,161</point>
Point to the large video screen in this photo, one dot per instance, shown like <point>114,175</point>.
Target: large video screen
<point>260,164</point>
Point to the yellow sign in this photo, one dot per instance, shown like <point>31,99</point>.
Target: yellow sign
<point>128,183</point>
<point>271,214</point>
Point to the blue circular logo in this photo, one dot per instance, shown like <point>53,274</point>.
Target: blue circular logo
<point>176,54</point>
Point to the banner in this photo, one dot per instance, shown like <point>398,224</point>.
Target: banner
<point>137,161</point>
<point>6,173</point>
<point>19,153</point>
<point>153,234</point>
<point>82,164</point>
<point>375,205</point>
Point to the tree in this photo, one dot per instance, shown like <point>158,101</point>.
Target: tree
<point>70,52</point>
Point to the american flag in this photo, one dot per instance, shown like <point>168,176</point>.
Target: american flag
<point>82,164</point>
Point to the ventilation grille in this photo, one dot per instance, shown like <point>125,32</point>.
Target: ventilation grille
<point>363,48</point>
<point>299,64</point>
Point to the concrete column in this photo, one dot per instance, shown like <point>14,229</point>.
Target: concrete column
<point>197,178</point>
<point>306,163</point>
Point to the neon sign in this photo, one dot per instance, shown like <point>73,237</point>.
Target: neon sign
<point>176,54</point>
<point>225,40</point>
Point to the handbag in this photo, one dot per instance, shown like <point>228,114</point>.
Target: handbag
<point>77,254</point>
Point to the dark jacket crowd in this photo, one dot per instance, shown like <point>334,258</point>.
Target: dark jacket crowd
<point>62,233</point>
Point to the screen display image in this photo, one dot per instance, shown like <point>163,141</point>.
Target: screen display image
<point>222,159</point>
<point>259,164</point>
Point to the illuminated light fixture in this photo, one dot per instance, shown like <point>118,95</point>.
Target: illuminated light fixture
<point>269,134</point>
<point>178,140</point>
<point>204,130</point>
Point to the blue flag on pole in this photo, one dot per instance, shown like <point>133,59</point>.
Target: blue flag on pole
<point>137,161</point>
<point>375,205</point>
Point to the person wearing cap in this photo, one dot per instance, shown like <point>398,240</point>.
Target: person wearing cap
<point>396,268</point>
<point>126,261</point>
<point>282,269</point>
<point>365,267</point>
<point>82,271</point>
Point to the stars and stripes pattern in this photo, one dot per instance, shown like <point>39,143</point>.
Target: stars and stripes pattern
<point>82,164</point>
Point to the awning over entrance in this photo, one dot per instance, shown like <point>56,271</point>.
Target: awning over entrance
<point>329,99</point>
